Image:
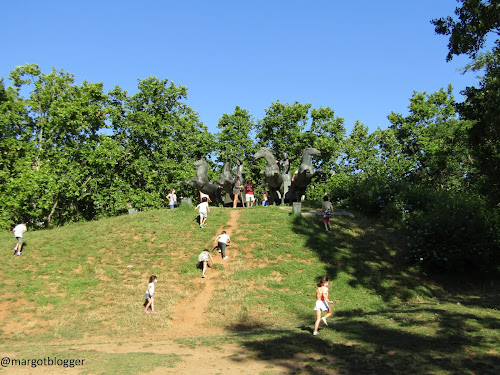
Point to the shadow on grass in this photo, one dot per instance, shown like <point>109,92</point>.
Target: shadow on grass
<point>365,251</point>
<point>357,346</point>
<point>416,338</point>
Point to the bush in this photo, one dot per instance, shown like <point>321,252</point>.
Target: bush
<point>454,232</point>
<point>366,193</point>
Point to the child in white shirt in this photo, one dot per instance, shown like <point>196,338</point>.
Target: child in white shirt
<point>222,241</point>
<point>203,210</point>
<point>149,295</point>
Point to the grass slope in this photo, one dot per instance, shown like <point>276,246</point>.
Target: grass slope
<point>86,281</point>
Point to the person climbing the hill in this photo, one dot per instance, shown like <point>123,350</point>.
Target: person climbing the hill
<point>204,260</point>
<point>222,241</point>
<point>327,209</point>
<point>322,304</point>
<point>18,232</point>
<point>203,195</point>
<point>203,211</point>
<point>149,295</point>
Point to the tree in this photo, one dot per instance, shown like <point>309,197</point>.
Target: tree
<point>15,153</point>
<point>358,151</point>
<point>433,140</point>
<point>161,138</point>
<point>476,19</point>
<point>281,128</point>
<point>60,125</point>
<point>482,106</point>
<point>235,137</point>
<point>327,134</point>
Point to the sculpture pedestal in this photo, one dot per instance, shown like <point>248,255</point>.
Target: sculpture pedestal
<point>187,201</point>
<point>297,208</point>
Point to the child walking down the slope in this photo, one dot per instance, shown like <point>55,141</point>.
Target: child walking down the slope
<point>149,295</point>
<point>322,304</point>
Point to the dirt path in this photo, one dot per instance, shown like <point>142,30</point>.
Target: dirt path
<point>186,320</point>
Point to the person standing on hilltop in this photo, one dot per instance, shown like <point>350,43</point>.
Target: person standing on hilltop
<point>249,196</point>
<point>172,199</point>
<point>236,191</point>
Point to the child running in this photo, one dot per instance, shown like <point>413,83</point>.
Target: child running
<point>149,295</point>
<point>322,304</point>
<point>18,232</point>
<point>203,210</point>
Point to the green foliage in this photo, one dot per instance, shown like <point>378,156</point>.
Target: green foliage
<point>161,137</point>
<point>454,232</point>
<point>476,19</point>
<point>235,137</point>
<point>327,135</point>
<point>57,165</point>
<point>482,106</point>
<point>281,128</point>
<point>433,141</point>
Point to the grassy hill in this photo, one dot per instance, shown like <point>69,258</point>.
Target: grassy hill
<point>84,284</point>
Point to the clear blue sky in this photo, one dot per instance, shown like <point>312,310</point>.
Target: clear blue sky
<point>361,58</point>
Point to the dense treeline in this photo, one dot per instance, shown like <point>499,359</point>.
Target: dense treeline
<point>72,152</point>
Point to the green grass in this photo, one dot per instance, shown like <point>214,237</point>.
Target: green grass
<point>76,283</point>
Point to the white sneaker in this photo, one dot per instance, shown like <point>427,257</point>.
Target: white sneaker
<point>225,257</point>
<point>315,333</point>
<point>324,321</point>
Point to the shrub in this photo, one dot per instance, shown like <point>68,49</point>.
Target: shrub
<point>454,232</point>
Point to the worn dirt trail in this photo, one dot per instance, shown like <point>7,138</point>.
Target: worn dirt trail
<point>186,321</point>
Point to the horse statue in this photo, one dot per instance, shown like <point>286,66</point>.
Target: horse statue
<point>272,174</point>
<point>226,181</point>
<point>285,174</point>
<point>240,171</point>
<point>304,174</point>
<point>201,182</point>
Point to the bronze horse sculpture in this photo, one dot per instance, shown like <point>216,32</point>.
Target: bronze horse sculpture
<point>272,174</point>
<point>304,174</point>
<point>226,181</point>
<point>201,182</point>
